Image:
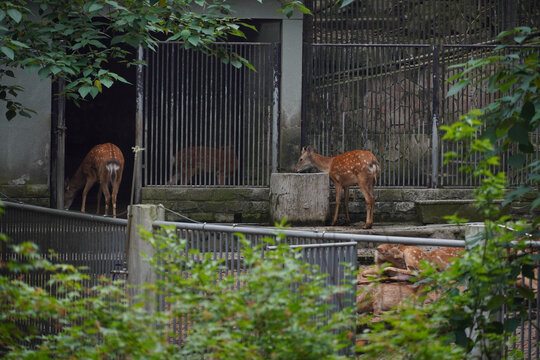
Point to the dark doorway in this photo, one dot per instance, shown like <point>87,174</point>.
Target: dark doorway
<point>110,117</point>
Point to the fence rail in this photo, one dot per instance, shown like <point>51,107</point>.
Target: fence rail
<point>94,242</point>
<point>99,243</point>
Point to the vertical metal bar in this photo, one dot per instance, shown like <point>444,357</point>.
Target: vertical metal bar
<point>58,145</point>
<point>276,74</point>
<point>435,125</point>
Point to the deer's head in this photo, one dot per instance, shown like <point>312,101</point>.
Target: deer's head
<point>69,194</point>
<point>305,161</point>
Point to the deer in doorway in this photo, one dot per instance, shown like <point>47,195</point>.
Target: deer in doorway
<point>104,163</point>
<point>357,167</point>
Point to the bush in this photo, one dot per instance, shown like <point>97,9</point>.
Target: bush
<point>272,311</point>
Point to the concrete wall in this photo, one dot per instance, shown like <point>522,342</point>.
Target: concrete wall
<point>252,205</point>
<point>25,142</point>
<point>291,73</point>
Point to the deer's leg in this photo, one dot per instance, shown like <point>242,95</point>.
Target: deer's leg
<point>348,219</point>
<point>90,181</point>
<point>115,187</point>
<point>367,189</point>
<point>338,200</point>
<point>106,195</point>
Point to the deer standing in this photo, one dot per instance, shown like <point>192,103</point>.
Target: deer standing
<point>105,164</point>
<point>355,167</point>
<point>198,159</point>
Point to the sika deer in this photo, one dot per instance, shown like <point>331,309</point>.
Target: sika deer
<point>105,164</point>
<point>350,168</point>
<point>442,257</point>
<point>400,256</point>
<point>201,159</point>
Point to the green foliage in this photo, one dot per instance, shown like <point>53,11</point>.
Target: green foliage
<point>75,40</point>
<point>271,311</point>
<point>482,283</point>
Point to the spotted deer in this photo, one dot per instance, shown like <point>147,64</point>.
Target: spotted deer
<point>400,256</point>
<point>104,164</point>
<point>377,298</point>
<point>194,160</point>
<point>442,257</point>
<point>357,167</point>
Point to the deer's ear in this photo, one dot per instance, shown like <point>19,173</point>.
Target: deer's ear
<point>308,149</point>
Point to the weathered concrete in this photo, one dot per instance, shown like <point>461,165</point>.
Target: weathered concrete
<point>25,142</point>
<point>140,271</point>
<point>299,198</point>
<point>34,194</point>
<point>246,205</point>
<point>252,205</point>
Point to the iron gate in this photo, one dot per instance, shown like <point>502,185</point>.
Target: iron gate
<point>210,123</point>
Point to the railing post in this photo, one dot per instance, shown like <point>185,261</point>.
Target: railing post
<point>137,170</point>
<point>435,120</point>
<point>139,270</point>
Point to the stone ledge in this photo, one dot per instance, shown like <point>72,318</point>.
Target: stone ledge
<point>434,211</point>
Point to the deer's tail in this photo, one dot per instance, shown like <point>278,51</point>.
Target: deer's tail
<point>375,169</point>
<point>112,167</point>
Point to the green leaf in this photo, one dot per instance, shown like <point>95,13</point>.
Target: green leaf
<point>457,87</point>
<point>535,204</point>
<point>519,134</point>
<point>346,2</point>
<point>194,39</point>
<point>84,90</point>
<point>10,114</point>
<point>107,82</point>
<point>8,52</point>
<point>15,15</point>
<point>517,160</point>
<point>528,111</point>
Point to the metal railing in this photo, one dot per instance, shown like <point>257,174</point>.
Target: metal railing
<point>94,242</point>
<point>99,244</point>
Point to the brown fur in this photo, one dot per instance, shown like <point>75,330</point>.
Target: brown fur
<point>400,256</point>
<point>201,159</point>
<point>380,297</point>
<point>356,167</point>
<point>442,257</point>
<point>105,164</point>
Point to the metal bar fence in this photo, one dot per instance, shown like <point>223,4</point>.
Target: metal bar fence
<point>81,240</point>
<point>328,250</point>
<point>222,242</point>
<point>99,244</point>
<point>93,243</point>
<point>407,21</point>
<point>372,97</point>
<point>213,126</point>
<point>391,99</point>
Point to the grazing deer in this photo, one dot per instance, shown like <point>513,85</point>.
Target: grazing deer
<point>350,168</point>
<point>200,159</point>
<point>105,164</point>
<point>442,257</point>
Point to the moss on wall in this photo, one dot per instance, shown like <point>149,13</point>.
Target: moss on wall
<point>252,205</point>
<point>35,194</point>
